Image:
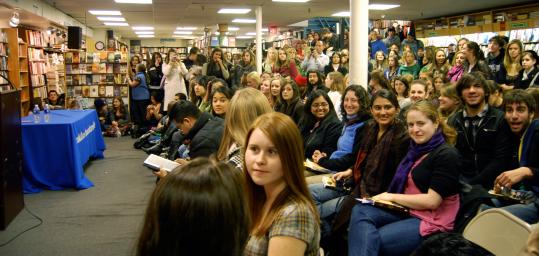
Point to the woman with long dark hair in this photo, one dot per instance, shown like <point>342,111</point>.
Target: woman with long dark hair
<point>216,66</point>
<point>425,182</point>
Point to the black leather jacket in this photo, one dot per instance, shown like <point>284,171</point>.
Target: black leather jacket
<point>484,158</point>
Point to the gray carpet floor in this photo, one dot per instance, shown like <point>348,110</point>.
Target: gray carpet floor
<point>102,220</point>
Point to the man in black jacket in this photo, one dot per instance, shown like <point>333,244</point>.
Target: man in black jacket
<point>495,58</point>
<point>483,134</point>
<point>202,132</point>
<point>524,172</point>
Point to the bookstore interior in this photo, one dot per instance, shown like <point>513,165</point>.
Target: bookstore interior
<point>83,55</point>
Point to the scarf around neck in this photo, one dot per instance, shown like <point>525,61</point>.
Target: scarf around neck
<point>415,151</point>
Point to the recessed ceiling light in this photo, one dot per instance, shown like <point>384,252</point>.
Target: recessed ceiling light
<point>133,1</point>
<point>382,6</point>
<point>244,37</point>
<point>186,28</point>
<point>233,28</point>
<point>233,11</point>
<point>183,32</point>
<point>291,1</point>
<point>144,32</point>
<point>244,21</point>
<point>111,18</point>
<point>119,24</point>
<point>341,14</point>
<point>146,36</point>
<point>98,12</point>
<point>142,28</point>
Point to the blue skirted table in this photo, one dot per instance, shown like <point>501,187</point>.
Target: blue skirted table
<point>54,152</point>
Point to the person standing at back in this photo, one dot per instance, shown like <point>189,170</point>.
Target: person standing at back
<point>140,97</point>
<point>483,134</point>
<point>174,70</point>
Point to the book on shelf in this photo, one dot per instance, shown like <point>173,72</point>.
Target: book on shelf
<point>89,79</point>
<point>102,68</point>
<point>110,78</point>
<point>116,68</point>
<point>102,91</point>
<point>110,57</point>
<point>96,79</point>
<point>76,57</point>
<point>70,91</point>
<point>124,91</point>
<point>109,91</point>
<point>95,67</point>
<point>117,57</point>
<point>94,91</point>
<point>76,80</point>
<point>103,57</point>
<point>68,57</point>
<point>117,91</point>
<point>78,90</point>
<point>110,68</point>
<point>85,91</point>
<point>89,58</point>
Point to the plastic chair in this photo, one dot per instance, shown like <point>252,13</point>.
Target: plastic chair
<point>498,231</point>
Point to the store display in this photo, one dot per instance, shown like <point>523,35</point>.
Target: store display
<point>96,75</point>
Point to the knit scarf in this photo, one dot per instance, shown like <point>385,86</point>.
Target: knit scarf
<point>415,151</point>
<point>455,73</point>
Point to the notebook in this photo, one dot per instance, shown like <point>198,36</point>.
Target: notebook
<point>155,162</point>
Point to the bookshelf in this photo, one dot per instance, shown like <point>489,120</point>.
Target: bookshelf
<point>55,70</point>
<point>17,58</point>
<point>96,75</point>
<point>35,62</point>
<point>4,69</point>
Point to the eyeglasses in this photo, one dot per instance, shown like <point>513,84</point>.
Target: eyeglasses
<point>323,105</point>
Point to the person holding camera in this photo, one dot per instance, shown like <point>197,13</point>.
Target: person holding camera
<point>315,58</point>
<point>174,70</point>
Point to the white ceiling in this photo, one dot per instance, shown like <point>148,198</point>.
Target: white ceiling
<point>166,15</point>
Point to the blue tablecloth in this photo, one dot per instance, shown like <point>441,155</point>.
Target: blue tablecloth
<point>55,152</point>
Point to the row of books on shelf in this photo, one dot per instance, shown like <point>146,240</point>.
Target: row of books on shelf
<point>95,68</point>
<point>3,49</point>
<point>36,54</point>
<point>38,68</point>
<point>95,91</point>
<point>525,35</point>
<point>3,81</point>
<point>35,38</point>
<point>88,103</point>
<point>3,62</point>
<point>97,57</point>
<point>3,37</point>
<point>40,92</point>
<point>118,79</point>
<point>37,80</point>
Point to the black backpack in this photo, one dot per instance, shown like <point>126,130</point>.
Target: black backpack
<point>471,198</point>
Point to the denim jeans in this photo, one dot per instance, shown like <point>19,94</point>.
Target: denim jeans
<point>526,212</point>
<point>375,231</point>
<point>328,202</point>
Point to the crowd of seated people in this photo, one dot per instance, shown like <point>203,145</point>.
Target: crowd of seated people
<point>426,129</point>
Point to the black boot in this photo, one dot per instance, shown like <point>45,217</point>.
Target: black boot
<point>156,149</point>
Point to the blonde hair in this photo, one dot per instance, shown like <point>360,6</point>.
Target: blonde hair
<point>507,61</point>
<point>254,76</point>
<point>284,134</point>
<point>244,107</point>
<point>338,82</point>
<point>430,111</point>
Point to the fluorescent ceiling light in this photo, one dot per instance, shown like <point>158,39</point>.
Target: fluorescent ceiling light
<point>233,28</point>
<point>183,32</point>
<point>183,37</point>
<point>244,21</point>
<point>244,37</point>
<point>119,24</point>
<point>341,14</point>
<point>133,1</point>
<point>142,28</point>
<point>111,18</point>
<point>252,33</point>
<point>382,6</point>
<point>234,11</point>
<point>186,28</point>
<point>144,32</point>
<point>291,1</point>
<point>98,12</point>
<point>145,36</point>
<point>264,29</point>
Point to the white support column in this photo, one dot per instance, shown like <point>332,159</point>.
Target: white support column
<point>259,39</point>
<point>359,42</point>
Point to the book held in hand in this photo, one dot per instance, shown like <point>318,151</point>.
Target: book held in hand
<point>337,185</point>
<point>384,204</point>
<point>155,162</point>
<point>312,166</point>
<point>514,196</point>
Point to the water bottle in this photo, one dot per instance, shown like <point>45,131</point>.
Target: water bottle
<point>36,114</point>
<point>47,113</point>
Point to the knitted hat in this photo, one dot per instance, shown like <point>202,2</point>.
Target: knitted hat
<point>99,103</point>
